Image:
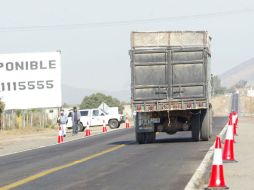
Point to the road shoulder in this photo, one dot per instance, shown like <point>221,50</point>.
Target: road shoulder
<point>12,143</point>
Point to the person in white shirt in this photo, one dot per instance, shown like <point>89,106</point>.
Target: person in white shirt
<point>62,120</point>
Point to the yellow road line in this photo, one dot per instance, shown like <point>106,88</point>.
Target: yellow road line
<point>52,170</point>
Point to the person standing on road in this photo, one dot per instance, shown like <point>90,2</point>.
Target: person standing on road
<point>62,120</point>
<point>75,121</point>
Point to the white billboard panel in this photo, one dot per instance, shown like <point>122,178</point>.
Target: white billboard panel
<point>30,80</point>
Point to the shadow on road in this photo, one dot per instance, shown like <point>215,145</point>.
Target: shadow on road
<point>123,142</point>
<point>158,141</point>
<point>174,140</point>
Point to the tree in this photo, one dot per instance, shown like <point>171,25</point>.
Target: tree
<point>2,106</point>
<point>65,105</point>
<point>216,86</point>
<point>94,101</point>
<point>241,84</point>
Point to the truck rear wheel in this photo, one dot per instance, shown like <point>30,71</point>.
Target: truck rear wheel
<point>140,138</point>
<point>145,138</point>
<point>150,137</point>
<point>195,125</point>
<point>206,125</point>
<point>113,124</point>
<point>211,122</point>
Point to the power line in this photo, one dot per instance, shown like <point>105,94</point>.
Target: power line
<point>123,23</point>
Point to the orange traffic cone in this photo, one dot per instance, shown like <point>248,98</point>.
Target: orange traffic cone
<point>127,123</point>
<point>60,135</point>
<point>234,121</point>
<point>236,118</point>
<point>104,128</point>
<point>88,132</point>
<point>228,152</point>
<point>217,174</point>
<point>229,123</point>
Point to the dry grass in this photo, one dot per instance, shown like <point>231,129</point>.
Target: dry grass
<point>247,105</point>
<point>25,132</point>
<point>221,105</point>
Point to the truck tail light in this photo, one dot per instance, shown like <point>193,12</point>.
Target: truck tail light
<point>138,107</point>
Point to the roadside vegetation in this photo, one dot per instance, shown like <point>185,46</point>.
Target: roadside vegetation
<point>26,119</point>
<point>2,105</point>
<point>218,89</point>
<point>94,101</point>
<point>38,119</point>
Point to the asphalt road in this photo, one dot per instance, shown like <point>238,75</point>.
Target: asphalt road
<point>235,102</point>
<point>111,161</point>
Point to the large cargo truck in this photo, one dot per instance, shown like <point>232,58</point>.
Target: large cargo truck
<point>171,84</point>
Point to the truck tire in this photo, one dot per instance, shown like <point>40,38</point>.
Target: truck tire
<point>145,138</point>
<point>150,137</point>
<point>113,124</point>
<point>195,125</point>
<point>205,125</point>
<point>211,122</point>
<point>140,138</point>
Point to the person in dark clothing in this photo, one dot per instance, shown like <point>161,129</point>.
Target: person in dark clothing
<point>75,121</point>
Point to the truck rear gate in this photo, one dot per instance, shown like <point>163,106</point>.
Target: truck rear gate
<point>178,73</point>
<point>170,72</point>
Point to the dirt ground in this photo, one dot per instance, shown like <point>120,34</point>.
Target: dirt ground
<point>247,105</point>
<point>16,135</point>
<point>221,105</point>
<point>19,140</point>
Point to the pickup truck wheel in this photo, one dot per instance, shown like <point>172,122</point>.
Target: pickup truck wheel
<point>195,125</point>
<point>113,124</point>
<point>81,128</point>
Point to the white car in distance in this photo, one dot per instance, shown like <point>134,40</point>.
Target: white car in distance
<point>95,117</point>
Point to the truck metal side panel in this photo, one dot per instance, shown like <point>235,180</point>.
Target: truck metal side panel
<point>171,38</point>
<point>175,73</point>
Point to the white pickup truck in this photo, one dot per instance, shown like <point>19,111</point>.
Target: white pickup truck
<point>95,117</point>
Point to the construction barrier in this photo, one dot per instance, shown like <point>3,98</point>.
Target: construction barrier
<point>88,132</point>
<point>104,128</point>
<point>60,135</point>
<point>127,123</point>
<point>217,173</point>
<point>234,121</point>
<point>228,151</point>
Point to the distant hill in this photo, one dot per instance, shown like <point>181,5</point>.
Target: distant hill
<point>72,95</point>
<point>244,71</point>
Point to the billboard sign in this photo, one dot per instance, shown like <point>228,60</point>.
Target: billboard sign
<point>30,80</point>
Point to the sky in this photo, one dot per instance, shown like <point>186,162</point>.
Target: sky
<point>94,36</point>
